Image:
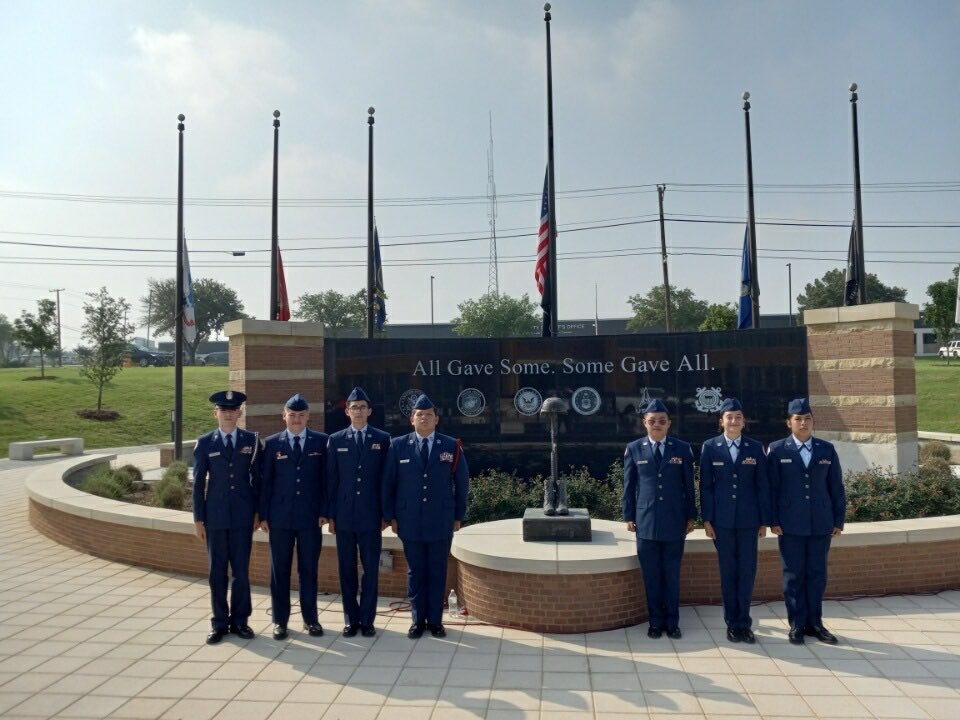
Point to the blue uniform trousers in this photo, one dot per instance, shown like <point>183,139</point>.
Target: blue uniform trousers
<point>230,547</point>
<point>368,544</point>
<point>281,562</point>
<point>804,559</point>
<point>660,563</point>
<point>737,555</point>
<point>427,579</point>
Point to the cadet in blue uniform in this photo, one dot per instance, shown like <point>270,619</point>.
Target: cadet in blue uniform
<point>226,488</point>
<point>660,506</point>
<point>808,505</point>
<point>291,510</point>
<point>425,485</point>
<point>735,504</point>
<point>355,460</point>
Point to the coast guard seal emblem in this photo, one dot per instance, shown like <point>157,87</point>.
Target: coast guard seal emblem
<point>471,402</point>
<point>408,399</point>
<point>708,399</point>
<point>527,401</point>
<point>585,400</point>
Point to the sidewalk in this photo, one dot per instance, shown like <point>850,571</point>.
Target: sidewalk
<point>82,637</point>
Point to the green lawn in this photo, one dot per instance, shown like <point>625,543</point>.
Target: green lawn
<point>938,395</point>
<point>35,409</point>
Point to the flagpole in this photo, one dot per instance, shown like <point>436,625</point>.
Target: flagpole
<point>275,235</point>
<point>178,322</point>
<point>551,184</point>
<point>371,280</point>
<point>862,270</point>
<point>661,189</point>
<point>751,220</point>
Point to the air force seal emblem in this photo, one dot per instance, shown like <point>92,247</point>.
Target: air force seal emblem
<point>585,400</point>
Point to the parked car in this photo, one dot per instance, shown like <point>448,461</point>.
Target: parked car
<point>214,358</point>
<point>952,349</point>
<point>145,357</point>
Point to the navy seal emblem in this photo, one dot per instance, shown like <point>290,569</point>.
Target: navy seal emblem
<point>527,401</point>
<point>471,402</point>
<point>585,400</point>
<point>708,399</point>
<point>408,399</point>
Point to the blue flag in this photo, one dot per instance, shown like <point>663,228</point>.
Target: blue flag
<point>379,295</point>
<point>851,290</point>
<point>745,307</point>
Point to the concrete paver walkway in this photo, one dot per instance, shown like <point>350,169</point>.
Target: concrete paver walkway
<point>82,637</point>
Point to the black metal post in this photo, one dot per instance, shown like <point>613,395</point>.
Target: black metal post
<point>751,220</point>
<point>59,335</point>
<point>790,291</point>
<point>178,324</point>
<point>371,276</point>
<point>275,234</point>
<point>661,189</point>
<point>551,184</point>
<point>858,207</point>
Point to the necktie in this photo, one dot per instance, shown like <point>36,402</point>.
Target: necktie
<point>297,453</point>
<point>658,454</point>
<point>424,451</point>
<point>734,450</point>
<point>228,445</point>
<point>358,437</point>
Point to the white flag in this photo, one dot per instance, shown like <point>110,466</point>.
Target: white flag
<point>189,318</point>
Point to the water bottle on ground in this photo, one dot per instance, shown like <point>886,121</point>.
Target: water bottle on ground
<point>453,605</point>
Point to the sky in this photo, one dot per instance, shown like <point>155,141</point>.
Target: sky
<point>644,93</point>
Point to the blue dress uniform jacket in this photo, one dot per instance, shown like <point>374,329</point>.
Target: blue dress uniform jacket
<point>660,500</point>
<point>735,499</point>
<point>292,502</point>
<point>226,488</point>
<point>425,501</point>
<point>807,503</point>
<point>354,483</point>
<point>734,494</point>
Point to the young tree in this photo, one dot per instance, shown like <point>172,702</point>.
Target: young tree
<point>686,312</point>
<point>38,332</point>
<point>720,316</point>
<point>9,350</point>
<point>214,305</point>
<point>940,312</point>
<point>497,315</point>
<point>335,310</point>
<point>105,330</point>
<point>828,291</point>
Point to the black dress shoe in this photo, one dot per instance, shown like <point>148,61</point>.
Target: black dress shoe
<point>415,631</point>
<point>654,632</point>
<point>674,633</point>
<point>279,632</point>
<point>821,634</point>
<point>314,629</point>
<point>245,632</point>
<point>796,636</point>
<point>438,631</point>
<point>747,636</point>
<point>733,635</point>
<point>215,636</point>
<point>368,630</point>
<point>350,630</point>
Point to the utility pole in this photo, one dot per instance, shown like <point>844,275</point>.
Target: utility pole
<point>149,315</point>
<point>661,189</point>
<point>59,344</point>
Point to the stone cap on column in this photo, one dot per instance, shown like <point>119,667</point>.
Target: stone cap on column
<point>862,313</point>
<point>272,327</point>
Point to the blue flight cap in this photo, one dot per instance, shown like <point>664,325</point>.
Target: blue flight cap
<point>228,399</point>
<point>423,403</point>
<point>730,405</point>
<point>655,406</point>
<point>799,406</point>
<point>298,403</point>
<point>358,395</point>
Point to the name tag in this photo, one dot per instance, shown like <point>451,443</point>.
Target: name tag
<point>824,462</point>
<point>314,453</point>
<point>213,454</point>
<point>343,449</point>
<point>405,460</point>
<point>786,460</point>
<point>718,462</point>
<point>642,462</point>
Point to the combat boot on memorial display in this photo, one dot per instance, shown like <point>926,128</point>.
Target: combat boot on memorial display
<point>562,508</point>
<point>549,497</point>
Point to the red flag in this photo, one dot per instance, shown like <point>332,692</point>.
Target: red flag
<point>283,303</point>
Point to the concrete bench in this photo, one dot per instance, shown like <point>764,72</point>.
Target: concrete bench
<point>24,450</point>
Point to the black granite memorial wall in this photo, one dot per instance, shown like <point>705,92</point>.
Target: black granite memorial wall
<point>489,392</point>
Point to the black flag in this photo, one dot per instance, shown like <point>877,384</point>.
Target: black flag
<point>851,292</point>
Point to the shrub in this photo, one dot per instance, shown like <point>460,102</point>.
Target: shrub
<point>133,471</point>
<point>126,476</point>
<point>934,449</point>
<point>878,494</point>
<point>603,498</point>
<point>104,483</point>
<point>170,493</point>
<point>179,469</point>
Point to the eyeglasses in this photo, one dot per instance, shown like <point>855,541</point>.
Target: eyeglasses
<point>657,421</point>
<point>357,407</point>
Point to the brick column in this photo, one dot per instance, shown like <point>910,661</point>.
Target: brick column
<point>272,360</point>
<point>862,383</point>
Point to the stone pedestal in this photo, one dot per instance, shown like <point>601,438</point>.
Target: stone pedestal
<point>574,527</point>
<point>862,383</point>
